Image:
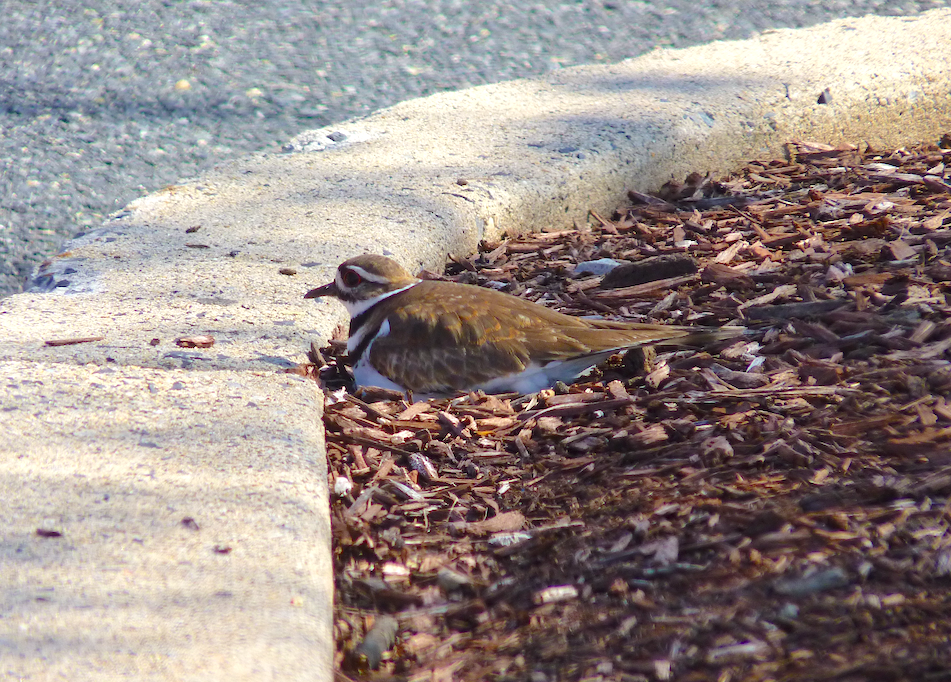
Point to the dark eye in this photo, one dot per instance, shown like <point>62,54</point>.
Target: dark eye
<point>351,278</point>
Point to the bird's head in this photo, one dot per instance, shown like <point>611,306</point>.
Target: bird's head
<point>363,280</point>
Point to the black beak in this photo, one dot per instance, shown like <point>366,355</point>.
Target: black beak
<point>326,290</point>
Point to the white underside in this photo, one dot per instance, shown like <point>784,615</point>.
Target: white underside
<point>365,375</point>
<point>530,380</point>
<point>537,377</point>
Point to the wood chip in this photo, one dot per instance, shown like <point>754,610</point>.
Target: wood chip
<point>202,341</point>
<point>790,467</point>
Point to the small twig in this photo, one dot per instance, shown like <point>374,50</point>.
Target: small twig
<point>370,411</point>
<point>73,342</point>
<point>646,288</point>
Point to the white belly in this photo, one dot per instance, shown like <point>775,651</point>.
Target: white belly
<point>364,374</point>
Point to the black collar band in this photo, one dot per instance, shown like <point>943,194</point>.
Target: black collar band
<point>355,324</point>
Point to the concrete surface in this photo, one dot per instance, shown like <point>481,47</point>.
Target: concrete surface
<point>534,154</point>
<point>104,101</point>
<point>191,508</point>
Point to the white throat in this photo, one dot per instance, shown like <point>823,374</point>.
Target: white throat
<point>356,308</point>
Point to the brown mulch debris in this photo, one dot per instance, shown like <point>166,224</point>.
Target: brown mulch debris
<point>775,507</point>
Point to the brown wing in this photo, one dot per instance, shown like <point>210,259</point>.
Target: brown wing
<point>453,336</point>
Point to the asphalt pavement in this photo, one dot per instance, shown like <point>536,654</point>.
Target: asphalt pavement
<point>103,102</point>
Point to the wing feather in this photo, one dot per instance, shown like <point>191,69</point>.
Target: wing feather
<point>446,337</point>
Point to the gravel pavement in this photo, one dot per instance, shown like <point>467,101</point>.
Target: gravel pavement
<point>102,102</point>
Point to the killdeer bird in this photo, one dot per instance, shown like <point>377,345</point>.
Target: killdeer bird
<point>441,338</point>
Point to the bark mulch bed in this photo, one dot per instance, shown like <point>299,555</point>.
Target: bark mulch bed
<point>776,507</point>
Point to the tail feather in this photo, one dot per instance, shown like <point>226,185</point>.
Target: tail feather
<point>701,336</point>
<point>633,335</point>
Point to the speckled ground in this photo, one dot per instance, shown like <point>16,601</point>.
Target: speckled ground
<point>102,102</point>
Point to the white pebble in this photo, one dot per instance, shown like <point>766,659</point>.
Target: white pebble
<point>342,486</point>
<point>602,266</point>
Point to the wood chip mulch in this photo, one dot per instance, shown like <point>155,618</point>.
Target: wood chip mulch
<point>773,508</point>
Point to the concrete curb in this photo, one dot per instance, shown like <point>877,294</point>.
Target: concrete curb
<point>240,451</point>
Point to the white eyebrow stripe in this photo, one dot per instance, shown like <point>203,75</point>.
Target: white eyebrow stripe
<point>370,277</point>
